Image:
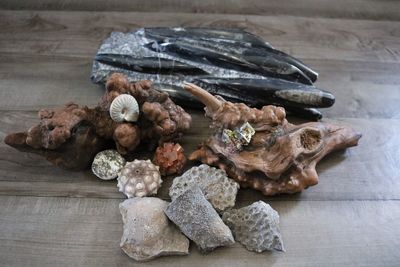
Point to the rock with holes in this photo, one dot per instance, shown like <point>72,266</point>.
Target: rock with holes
<point>255,226</point>
<point>139,178</point>
<point>107,164</point>
<point>215,185</point>
<point>147,231</point>
<point>198,220</point>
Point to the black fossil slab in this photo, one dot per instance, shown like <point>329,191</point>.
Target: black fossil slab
<point>232,63</point>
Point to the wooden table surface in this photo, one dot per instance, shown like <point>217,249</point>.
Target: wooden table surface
<point>52,217</point>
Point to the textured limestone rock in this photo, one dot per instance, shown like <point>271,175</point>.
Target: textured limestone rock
<point>147,231</point>
<point>199,221</point>
<point>107,164</point>
<point>139,178</point>
<point>255,226</point>
<point>215,185</point>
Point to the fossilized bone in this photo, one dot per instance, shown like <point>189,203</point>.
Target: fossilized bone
<point>279,157</point>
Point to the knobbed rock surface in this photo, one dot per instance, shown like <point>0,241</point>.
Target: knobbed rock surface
<point>215,185</point>
<point>255,226</point>
<point>199,221</point>
<point>147,231</point>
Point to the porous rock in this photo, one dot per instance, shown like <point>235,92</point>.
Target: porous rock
<point>215,185</point>
<point>198,220</point>
<point>107,164</point>
<point>255,226</point>
<point>147,231</point>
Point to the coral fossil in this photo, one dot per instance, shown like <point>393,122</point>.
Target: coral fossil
<point>217,188</point>
<point>139,178</point>
<point>255,226</point>
<point>280,158</point>
<point>71,136</point>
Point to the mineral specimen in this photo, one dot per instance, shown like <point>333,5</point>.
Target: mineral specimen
<point>124,108</point>
<point>71,136</point>
<point>232,63</point>
<point>147,231</point>
<point>255,226</point>
<point>198,220</point>
<point>217,188</point>
<point>170,158</point>
<point>139,178</point>
<point>280,158</point>
<point>107,164</point>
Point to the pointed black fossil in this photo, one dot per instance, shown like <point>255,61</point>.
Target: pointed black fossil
<point>232,63</point>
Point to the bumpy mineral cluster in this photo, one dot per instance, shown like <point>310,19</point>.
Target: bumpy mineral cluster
<point>255,226</point>
<point>260,149</point>
<point>198,220</point>
<point>170,158</point>
<point>215,185</point>
<point>72,135</point>
<point>107,164</point>
<point>147,231</point>
<point>139,178</point>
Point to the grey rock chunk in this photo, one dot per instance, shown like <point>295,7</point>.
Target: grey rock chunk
<point>214,183</point>
<point>198,220</point>
<point>255,226</point>
<point>107,164</point>
<point>147,231</point>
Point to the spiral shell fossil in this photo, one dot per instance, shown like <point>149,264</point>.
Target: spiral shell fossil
<point>124,108</point>
<point>139,178</point>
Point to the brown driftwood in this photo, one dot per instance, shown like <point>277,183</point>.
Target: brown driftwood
<point>280,157</point>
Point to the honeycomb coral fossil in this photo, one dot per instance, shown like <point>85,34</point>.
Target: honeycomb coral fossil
<point>217,188</point>
<point>255,226</point>
<point>280,157</point>
<point>70,136</point>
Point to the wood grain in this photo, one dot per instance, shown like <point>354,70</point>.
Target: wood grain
<point>52,217</point>
<point>80,33</point>
<point>356,85</point>
<point>367,172</point>
<point>86,232</point>
<point>355,9</point>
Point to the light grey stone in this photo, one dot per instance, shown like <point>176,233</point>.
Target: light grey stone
<point>218,189</point>
<point>107,164</point>
<point>198,220</point>
<point>255,226</point>
<point>147,231</point>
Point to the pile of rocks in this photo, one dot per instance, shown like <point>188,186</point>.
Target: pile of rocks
<point>201,211</point>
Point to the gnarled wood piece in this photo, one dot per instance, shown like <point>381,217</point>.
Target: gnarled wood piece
<point>71,136</point>
<point>280,158</point>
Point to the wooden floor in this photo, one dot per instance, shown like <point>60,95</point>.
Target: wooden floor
<point>51,217</point>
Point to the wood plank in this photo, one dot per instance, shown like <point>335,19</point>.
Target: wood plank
<point>355,9</point>
<point>80,33</point>
<point>367,172</point>
<point>86,232</point>
<point>362,89</point>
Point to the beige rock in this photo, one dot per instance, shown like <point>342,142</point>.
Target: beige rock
<point>147,231</point>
